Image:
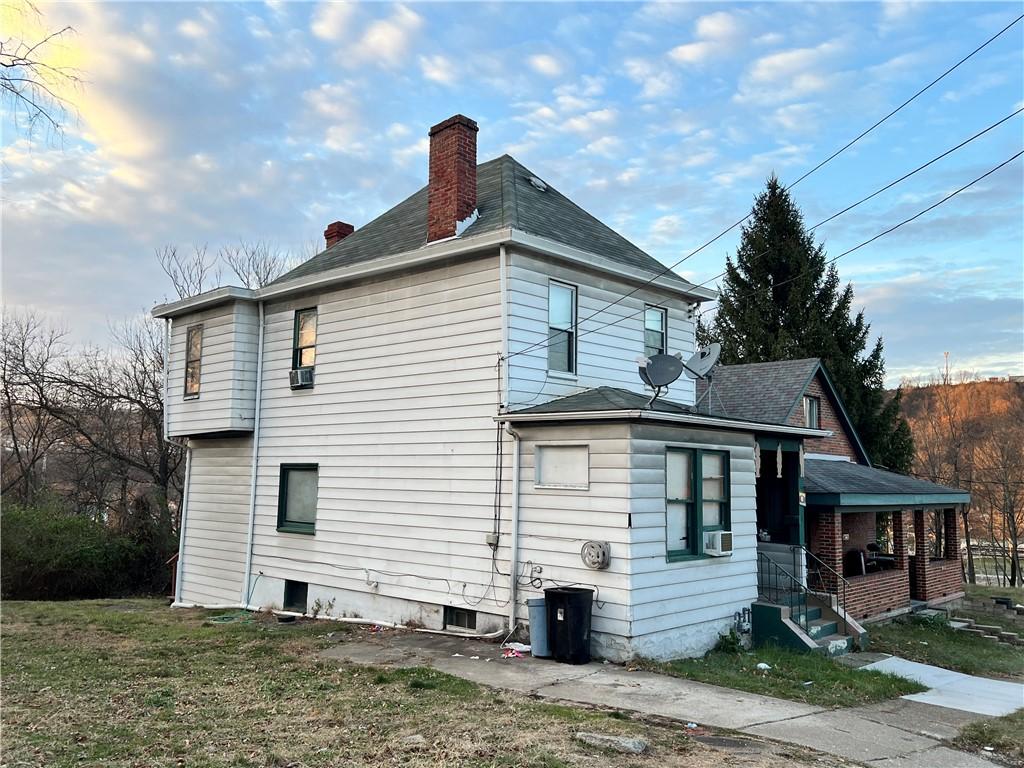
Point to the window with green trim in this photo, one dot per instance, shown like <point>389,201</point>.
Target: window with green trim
<point>696,499</point>
<point>296,500</point>
<point>304,339</point>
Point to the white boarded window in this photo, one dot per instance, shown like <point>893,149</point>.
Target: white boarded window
<point>563,466</point>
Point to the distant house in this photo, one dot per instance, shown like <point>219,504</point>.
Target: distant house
<point>424,423</point>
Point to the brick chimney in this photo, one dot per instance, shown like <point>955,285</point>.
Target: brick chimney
<point>337,231</point>
<point>451,190</point>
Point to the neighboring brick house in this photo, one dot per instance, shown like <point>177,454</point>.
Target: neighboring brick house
<point>887,539</point>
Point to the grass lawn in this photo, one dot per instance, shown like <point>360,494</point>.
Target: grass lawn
<point>806,677</point>
<point>1004,734</point>
<point>978,590</point>
<point>131,683</point>
<point>933,641</point>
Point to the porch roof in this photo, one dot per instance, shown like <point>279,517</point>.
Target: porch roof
<point>845,484</point>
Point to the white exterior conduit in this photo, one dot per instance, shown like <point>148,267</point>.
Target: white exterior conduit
<point>513,564</point>
<point>247,576</point>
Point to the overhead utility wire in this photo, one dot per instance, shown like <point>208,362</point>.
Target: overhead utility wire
<point>877,192</point>
<point>666,270</point>
<point>848,208</point>
<point>892,228</point>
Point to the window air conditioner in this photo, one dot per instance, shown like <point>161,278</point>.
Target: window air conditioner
<point>301,378</point>
<point>718,543</point>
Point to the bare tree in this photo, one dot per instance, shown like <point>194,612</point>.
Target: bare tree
<point>256,264</point>
<point>33,87</point>
<point>190,274</point>
<point>29,348</point>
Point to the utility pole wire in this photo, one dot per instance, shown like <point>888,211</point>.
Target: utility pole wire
<point>666,270</point>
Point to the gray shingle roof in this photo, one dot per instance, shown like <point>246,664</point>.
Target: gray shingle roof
<point>605,399</point>
<point>505,198</point>
<point>759,391</point>
<point>843,477</point>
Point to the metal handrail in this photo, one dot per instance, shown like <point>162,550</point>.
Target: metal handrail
<point>774,582</point>
<point>842,585</point>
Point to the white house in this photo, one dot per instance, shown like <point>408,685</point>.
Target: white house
<point>429,419</point>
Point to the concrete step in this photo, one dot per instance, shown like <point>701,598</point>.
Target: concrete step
<point>962,620</point>
<point>1008,637</point>
<point>835,644</point>
<point>989,629</point>
<point>812,614</point>
<point>822,628</point>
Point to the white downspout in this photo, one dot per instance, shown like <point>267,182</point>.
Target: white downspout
<point>513,565</point>
<point>180,570</point>
<point>247,580</point>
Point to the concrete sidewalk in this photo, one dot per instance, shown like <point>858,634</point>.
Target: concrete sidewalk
<point>895,734</point>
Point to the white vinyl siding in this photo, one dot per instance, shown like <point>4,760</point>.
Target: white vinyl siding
<point>401,425</point>
<point>227,393</point>
<point>563,466</point>
<point>216,524</point>
<point>682,607</point>
<point>605,357</point>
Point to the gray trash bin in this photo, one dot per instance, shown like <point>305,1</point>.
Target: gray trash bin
<point>538,628</point>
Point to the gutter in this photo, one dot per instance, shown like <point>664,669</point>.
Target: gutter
<point>247,581</point>
<point>676,418</point>
<point>457,246</point>
<point>513,564</point>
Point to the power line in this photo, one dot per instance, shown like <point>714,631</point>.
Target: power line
<point>877,192</point>
<point>666,270</point>
<point>895,226</point>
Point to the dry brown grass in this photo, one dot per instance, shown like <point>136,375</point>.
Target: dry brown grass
<point>132,683</point>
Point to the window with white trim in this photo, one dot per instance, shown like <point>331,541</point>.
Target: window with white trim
<point>812,412</point>
<point>193,360</point>
<point>561,328</point>
<point>655,331</point>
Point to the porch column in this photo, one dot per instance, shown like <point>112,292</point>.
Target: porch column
<point>921,555</point>
<point>952,533</point>
<point>830,545</point>
<point>902,524</point>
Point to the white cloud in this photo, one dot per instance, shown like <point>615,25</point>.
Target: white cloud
<point>796,118</point>
<point>655,80</point>
<point>418,150</point>
<point>717,33</point>
<point>386,41</point>
<point>331,20</point>
<point>258,28</point>
<point>591,121</point>
<point>790,75</point>
<point>606,146</point>
<point>398,130</point>
<point>438,68</point>
<point>545,64</point>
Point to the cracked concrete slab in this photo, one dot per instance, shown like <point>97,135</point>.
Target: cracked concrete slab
<point>936,757</point>
<point>929,720</point>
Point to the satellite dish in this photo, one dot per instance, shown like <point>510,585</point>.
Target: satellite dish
<point>702,361</point>
<point>660,370</point>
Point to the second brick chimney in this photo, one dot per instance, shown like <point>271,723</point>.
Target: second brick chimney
<point>337,231</point>
<point>451,189</point>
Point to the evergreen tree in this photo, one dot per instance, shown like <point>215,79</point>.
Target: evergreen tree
<point>779,301</point>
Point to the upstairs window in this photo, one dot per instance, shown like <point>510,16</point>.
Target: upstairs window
<point>304,344</point>
<point>561,328</point>
<point>812,412</point>
<point>696,499</point>
<point>655,331</point>
<point>193,359</point>
<point>297,496</point>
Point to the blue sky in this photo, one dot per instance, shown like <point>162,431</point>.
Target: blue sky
<point>210,123</point>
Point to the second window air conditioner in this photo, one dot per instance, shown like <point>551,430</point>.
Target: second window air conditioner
<point>301,378</point>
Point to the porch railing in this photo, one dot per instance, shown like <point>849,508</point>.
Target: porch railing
<point>818,569</point>
<point>777,585</point>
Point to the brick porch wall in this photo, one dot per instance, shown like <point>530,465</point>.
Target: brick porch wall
<point>935,579</point>
<point>874,593</point>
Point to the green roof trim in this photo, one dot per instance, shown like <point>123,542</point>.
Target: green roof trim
<point>887,499</point>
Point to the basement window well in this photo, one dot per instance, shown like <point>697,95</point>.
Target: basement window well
<point>295,596</point>
<point>459,618</point>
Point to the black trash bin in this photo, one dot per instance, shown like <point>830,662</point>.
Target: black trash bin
<point>569,623</point>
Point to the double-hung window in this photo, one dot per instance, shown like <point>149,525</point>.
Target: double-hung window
<point>696,499</point>
<point>812,412</point>
<point>304,339</point>
<point>655,331</point>
<point>193,359</point>
<point>561,328</point>
<point>296,500</point>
